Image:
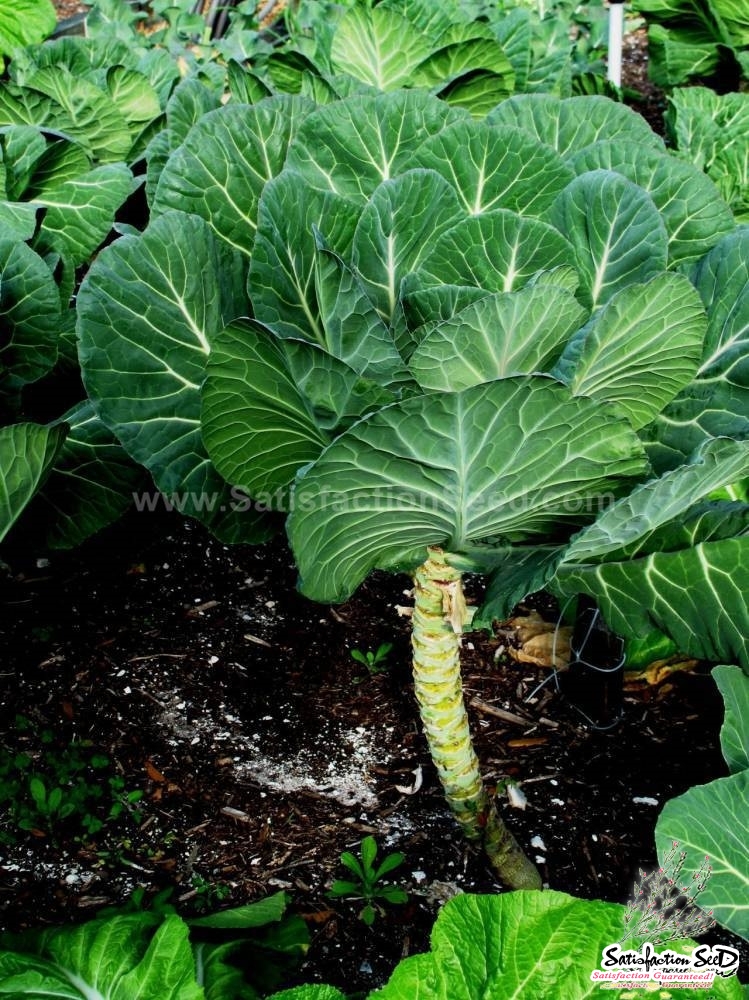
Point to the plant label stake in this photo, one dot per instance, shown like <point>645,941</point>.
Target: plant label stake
<point>594,680</point>
<point>616,30</point>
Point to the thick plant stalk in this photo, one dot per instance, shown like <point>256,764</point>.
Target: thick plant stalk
<point>438,619</point>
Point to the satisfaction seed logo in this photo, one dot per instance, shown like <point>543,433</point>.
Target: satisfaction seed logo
<point>663,908</point>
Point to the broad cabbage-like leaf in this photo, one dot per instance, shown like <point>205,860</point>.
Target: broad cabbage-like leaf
<point>656,503</point>
<point>712,130</point>
<point>498,251</point>
<point>18,222</point>
<point>395,231</point>
<point>91,484</point>
<point>569,124</point>
<point>716,402</point>
<point>507,333</point>
<point>114,959</point>
<point>27,453</point>
<point>640,349</point>
<point>23,22</point>
<point>352,328</point>
<point>733,684</point>
<point>309,992</point>
<point>617,234</point>
<point>30,316</point>
<point>712,821</point>
<point>505,459</point>
<point>659,590</point>
<point>694,214</point>
<point>80,212</point>
<point>495,167</point>
<point>270,406</point>
<point>147,312</point>
<point>641,559</point>
<point>85,111</point>
<point>227,158</point>
<point>351,146</point>
<point>542,945</point>
<point>378,46</point>
<point>284,257</point>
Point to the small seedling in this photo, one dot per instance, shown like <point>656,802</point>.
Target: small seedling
<point>59,790</point>
<point>367,876</point>
<point>375,662</point>
<point>208,895</point>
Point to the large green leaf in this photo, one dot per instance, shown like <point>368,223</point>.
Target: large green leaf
<point>433,18</point>
<point>477,91</point>
<point>717,401</point>
<point>80,213</point>
<point>351,146</point>
<point>133,95</point>
<point>227,158</point>
<point>353,330</point>
<point>27,453</point>
<point>694,214</point>
<point>508,458</point>
<point>640,349</point>
<point>271,405</point>
<point>569,124</point>
<point>23,22</point>
<point>85,112</point>
<point>377,46</point>
<point>514,572</point>
<point>91,484</point>
<point>309,992</point>
<point>495,168</point>
<point>712,820</point>
<point>521,946</point>
<point>630,521</point>
<point>22,148</point>
<point>18,221</point>
<point>676,56</point>
<point>706,619</point>
<point>395,231</point>
<point>63,160</point>
<point>30,315</point>
<point>426,308</point>
<point>283,264</point>
<point>498,251</point>
<point>188,103</point>
<point>507,333</point>
<point>733,684</point>
<point>147,312</point>
<point>712,131</point>
<point>469,70</point>
<point>616,232</point>
<point>118,959</point>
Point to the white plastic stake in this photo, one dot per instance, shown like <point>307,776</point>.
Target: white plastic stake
<point>616,30</point>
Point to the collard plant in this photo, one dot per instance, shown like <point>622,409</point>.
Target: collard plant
<point>697,40</point>
<point>524,944</point>
<point>56,209</point>
<point>237,954</point>
<point>712,131</point>
<point>470,55</point>
<point>433,344</point>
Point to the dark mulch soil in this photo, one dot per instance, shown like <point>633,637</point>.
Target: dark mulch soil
<point>264,750</point>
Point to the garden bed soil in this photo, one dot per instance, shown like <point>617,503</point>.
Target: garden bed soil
<point>263,749</point>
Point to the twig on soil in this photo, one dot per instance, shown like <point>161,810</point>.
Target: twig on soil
<point>236,814</point>
<point>158,656</point>
<point>483,706</point>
